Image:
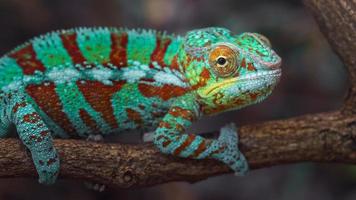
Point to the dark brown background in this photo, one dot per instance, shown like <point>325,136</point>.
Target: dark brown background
<point>310,83</point>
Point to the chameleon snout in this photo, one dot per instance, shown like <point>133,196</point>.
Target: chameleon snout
<point>276,62</point>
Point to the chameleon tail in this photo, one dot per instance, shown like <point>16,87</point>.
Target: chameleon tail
<point>231,155</point>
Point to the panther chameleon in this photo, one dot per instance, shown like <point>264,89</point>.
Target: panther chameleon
<point>99,81</point>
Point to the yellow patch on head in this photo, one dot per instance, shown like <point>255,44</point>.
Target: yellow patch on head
<point>216,87</point>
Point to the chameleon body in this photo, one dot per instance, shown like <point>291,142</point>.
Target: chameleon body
<point>84,81</point>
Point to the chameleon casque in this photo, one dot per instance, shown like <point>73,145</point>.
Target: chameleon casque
<point>79,82</point>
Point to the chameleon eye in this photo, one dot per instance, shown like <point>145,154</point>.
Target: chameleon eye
<point>223,60</point>
<point>263,39</point>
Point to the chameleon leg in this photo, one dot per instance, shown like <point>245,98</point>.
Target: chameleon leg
<point>35,135</point>
<point>170,138</point>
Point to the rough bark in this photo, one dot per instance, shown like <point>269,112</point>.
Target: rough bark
<point>337,21</point>
<point>322,137</point>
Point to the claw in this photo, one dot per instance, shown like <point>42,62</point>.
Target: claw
<point>47,165</point>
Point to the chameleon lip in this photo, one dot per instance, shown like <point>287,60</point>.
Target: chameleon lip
<point>275,73</point>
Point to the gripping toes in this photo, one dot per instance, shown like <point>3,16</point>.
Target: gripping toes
<point>230,154</point>
<point>47,165</point>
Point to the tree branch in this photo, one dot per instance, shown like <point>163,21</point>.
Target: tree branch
<point>337,21</point>
<point>322,137</point>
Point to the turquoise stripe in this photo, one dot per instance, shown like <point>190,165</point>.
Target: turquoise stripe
<point>176,143</point>
<point>190,149</point>
<point>9,71</point>
<point>119,102</point>
<point>50,50</point>
<point>140,46</point>
<point>172,50</point>
<point>73,100</point>
<point>95,44</point>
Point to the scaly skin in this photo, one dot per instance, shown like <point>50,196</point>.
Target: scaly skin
<point>85,81</point>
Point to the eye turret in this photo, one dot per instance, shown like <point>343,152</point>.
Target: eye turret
<point>223,60</point>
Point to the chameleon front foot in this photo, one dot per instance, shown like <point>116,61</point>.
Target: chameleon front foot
<point>231,155</point>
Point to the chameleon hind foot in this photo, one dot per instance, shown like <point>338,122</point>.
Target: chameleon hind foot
<point>95,186</point>
<point>95,138</point>
<point>231,155</point>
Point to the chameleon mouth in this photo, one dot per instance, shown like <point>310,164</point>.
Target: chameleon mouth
<point>267,77</point>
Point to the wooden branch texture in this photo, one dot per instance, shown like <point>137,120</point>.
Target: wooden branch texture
<point>322,137</point>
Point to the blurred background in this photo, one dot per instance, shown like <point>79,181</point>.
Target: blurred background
<point>313,81</point>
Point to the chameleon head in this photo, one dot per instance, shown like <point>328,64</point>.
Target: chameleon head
<point>229,71</point>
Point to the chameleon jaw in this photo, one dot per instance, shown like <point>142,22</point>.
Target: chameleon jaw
<point>271,76</point>
<point>211,90</point>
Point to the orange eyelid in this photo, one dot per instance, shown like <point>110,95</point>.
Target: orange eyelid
<point>222,50</point>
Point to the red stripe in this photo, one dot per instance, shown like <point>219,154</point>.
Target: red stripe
<point>174,64</point>
<point>70,44</point>
<point>184,145</point>
<point>98,95</point>
<point>177,111</point>
<point>89,121</point>
<point>47,99</point>
<point>160,50</point>
<point>26,58</point>
<point>134,116</point>
<point>201,148</point>
<point>118,54</point>
<point>165,92</point>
